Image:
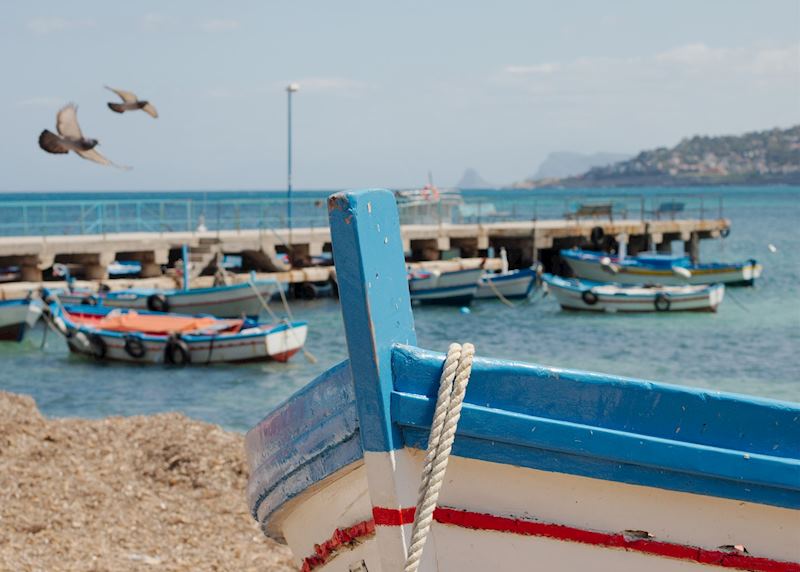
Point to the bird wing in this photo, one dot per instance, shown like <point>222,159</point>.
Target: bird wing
<point>67,122</point>
<point>126,96</point>
<point>150,110</point>
<point>94,155</point>
<point>52,143</point>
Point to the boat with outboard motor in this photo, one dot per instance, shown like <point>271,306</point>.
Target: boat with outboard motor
<point>17,316</point>
<point>546,468</point>
<point>107,333</point>
<point>656,268</point>
<point>574,294</point>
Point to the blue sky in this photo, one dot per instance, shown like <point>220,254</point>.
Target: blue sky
<point>388,90</point>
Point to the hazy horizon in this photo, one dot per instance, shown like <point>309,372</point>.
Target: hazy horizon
<point>387,92</point>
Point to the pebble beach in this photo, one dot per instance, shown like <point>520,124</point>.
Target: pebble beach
<point>159,492</point>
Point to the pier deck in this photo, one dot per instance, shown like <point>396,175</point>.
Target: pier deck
<point>525,241</point>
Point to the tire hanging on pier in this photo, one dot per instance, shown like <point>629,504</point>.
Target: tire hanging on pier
<point>589,298</point>
<point>597,235</point>
<point>176,352</point>
<point>134,346</point>
<point>157,303</point>
<point>661,302</point>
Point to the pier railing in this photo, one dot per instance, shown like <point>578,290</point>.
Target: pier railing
<point>73,217</point>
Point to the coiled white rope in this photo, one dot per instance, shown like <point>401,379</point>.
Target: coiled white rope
<point>452,387</point>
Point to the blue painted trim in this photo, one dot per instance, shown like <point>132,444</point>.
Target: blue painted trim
<point>17,302</point>
<point>304,440</point>
<point>144,292</point>
<point>373,289</point>
<point>612,428</point>
<point>442,289</point>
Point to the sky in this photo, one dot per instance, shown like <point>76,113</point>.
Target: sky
<point>388,90</point>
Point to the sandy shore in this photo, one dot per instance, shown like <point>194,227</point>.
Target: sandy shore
<point>160,492</point>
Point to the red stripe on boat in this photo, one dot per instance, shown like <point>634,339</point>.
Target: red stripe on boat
<point>393,516</point>
<point>341,538</point>
<point>481,521</point>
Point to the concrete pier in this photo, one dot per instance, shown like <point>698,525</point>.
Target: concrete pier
<point>525,242</point>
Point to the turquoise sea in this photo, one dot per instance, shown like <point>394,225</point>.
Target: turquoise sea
<point>751,346</point>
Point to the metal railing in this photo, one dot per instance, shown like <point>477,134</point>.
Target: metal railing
<point>75,217</point>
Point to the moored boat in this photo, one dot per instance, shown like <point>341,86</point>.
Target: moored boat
<point>663,269</point>
<point>455,287</point>
<point>549,469</point>
<point>510,284</point>
<point>16,316</point>
<point>575,294</point>
<point>178,339</point>
<point>232,301</point>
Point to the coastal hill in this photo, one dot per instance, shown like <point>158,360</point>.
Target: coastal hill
<point>563,164</point>
<point>471,179</point>
<point>757,158</point>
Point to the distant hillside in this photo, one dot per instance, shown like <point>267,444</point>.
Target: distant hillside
<point>757,158</point>
<point>472,180</point>
<point>563,164</point>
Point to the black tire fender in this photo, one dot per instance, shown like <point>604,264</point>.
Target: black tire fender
<point>176,352</point>
<point>725,232</point>
<point>157,303</point>
<point>589,297</point>
<point>97,345</point>
<point>134,346</point>
<point>662,302</point>
<point>597,234</point>
<point>90,300</point>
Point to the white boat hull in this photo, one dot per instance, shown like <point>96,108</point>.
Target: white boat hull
<point>499,517</point>
<point>508,285</point>
<point>457,288</point>
<point>223,302</point>
<point>612,299</point>
<point>246,346</point>
<point>15,317</point>
<point>595,272</point>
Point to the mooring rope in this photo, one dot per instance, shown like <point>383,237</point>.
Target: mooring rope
<point>499,294</point>
<point>287,321</point>
<point>452,387</point>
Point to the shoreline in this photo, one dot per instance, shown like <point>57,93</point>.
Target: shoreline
<point>144,492</point>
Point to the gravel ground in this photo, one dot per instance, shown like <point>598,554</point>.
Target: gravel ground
<point>160,492</point>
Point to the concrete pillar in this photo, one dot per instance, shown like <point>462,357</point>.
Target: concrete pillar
<point>692,247</point>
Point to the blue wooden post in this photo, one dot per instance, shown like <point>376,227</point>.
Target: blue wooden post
<point>373,289</point>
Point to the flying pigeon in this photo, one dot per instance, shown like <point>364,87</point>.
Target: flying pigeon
<point>131,103</point>
<point>70,138</point>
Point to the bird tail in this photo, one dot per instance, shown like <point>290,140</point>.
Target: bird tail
<point>116,107</point>
<point>51,142</point>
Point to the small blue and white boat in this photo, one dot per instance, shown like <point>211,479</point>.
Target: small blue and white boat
<point>452,287</point>
<point>546,469</point>
<point>235,301</point>
<point>508,284</point>
<point>575,294</point>
<point>16,316</point>
<point>117,334</point>
<point>654,268</point>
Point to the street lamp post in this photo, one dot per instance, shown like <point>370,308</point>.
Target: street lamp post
<point>290,89</point>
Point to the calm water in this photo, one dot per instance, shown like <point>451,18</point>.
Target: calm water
<point>752,345</point>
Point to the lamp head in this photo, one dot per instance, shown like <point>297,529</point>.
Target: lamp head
<point>292,87</point>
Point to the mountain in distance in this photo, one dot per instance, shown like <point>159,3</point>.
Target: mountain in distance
<point>563,164</point>
<point>471,179</point>
<point>757,158</point>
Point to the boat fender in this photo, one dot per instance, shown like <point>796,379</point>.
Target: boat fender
<point>597,234</point>
<point>176,352</point>
<point>661,302</point>
<point>589,297</point>
<point>157,303</point>
<point>90,300</point>
<point>97,345</point>
<point>134,346</point>
<point>725,232</point>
